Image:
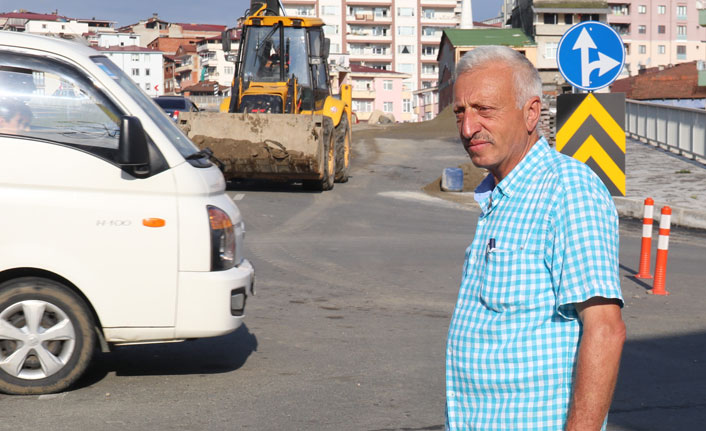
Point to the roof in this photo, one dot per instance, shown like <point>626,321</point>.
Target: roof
<point>202,27</point>
<point>34,16</point>
<point>558,6</point>
<point>129,48</point>
<point>676,82</point>
<point>487,36</point>
<point>356,68</point>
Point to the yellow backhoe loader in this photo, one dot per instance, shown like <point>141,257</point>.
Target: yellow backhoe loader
<point>282,121</point>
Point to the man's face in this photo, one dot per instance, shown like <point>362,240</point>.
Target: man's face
<point>493,130</point>
<point>16,124</point>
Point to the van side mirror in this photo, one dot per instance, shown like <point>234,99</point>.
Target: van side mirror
<point>133,153</point>
<point>327,47</point>
<point>225,41</point>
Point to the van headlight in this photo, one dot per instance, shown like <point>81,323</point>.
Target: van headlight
<point>222,239</point>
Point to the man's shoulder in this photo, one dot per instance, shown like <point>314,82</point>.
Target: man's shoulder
<point>571,173</point>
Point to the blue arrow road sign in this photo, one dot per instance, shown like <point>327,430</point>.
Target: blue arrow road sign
<point>590,55</point>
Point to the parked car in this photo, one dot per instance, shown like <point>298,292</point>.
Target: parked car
<point>115,228</point>
<point>173,105</point>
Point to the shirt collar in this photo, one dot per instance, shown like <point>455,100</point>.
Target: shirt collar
<point>520,173</point>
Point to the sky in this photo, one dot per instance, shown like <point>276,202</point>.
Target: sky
<point>224,12</point>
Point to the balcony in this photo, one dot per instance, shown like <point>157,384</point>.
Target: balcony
<point>370,56</point>
<point>368,3</point>
<point>364,19</point>
<point>438,3</point>
<point>702,17</point>
<point>363,94</point>
<point>368,37</point>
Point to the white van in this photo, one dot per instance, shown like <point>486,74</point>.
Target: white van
<point>114,227</point>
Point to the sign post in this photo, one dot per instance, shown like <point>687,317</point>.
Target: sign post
<point>591,127</point>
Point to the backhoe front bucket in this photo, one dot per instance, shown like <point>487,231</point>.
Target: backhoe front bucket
<point>266,146</point>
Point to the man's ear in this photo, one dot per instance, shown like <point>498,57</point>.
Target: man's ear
<point>532,111</point>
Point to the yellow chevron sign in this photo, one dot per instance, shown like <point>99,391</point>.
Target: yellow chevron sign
<point>590,129</point>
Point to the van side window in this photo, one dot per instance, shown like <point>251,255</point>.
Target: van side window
<point>58,104</point>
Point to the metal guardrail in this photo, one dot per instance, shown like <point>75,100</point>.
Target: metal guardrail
<point>681,130</point>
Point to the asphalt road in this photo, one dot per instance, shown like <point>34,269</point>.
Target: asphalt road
<point>355,290</point>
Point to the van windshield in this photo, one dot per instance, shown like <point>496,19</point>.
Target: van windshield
<point>183,144</point>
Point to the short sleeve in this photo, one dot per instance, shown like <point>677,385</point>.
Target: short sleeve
<point>585,250</point>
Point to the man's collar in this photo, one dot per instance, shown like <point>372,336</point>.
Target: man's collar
<point>519,173</point>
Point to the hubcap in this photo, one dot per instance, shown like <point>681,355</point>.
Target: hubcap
<point>36,339</point>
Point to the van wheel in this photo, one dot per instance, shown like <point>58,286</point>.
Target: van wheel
<point>343,149</point>
<point>46,336</point>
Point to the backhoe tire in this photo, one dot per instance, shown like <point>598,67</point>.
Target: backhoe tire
<point>46,336</point>
<point>329,162</point>
<point>343,149</point>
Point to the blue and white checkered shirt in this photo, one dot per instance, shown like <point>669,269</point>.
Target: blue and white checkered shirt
<point>514,335</point>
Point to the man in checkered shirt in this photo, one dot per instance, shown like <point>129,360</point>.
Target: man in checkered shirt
<point>536,336</point>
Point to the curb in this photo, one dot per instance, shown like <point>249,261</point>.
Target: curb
<point>631,207</point>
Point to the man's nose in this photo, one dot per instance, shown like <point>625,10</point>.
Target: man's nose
<point>469,124</point>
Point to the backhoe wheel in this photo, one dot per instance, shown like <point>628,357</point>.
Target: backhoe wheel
<point>325,183</point>
<point>343,149</point>
<point>46,336</point>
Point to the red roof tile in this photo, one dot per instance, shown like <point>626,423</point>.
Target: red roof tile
<point>32,15</point>
<point>676,82</point>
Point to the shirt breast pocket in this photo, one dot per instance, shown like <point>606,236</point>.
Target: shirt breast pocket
<point>513,279</point>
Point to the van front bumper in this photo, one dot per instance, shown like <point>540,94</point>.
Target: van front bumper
<point>213,303</point>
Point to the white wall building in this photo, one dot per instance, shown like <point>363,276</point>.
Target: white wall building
<point>143,65</point>
<point>214,66</point>
<point>114,39</point>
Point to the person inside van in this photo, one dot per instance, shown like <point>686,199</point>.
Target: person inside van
<point>15,117</point>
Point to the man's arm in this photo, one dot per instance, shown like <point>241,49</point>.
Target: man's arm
<point>597,365</point>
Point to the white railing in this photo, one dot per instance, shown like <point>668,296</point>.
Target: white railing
<point>682,130</point>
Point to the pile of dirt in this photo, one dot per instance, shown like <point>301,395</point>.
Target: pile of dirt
<point>472,176</point>
<point>442,126</point>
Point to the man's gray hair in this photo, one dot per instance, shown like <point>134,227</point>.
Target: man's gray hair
<point>528,84</point>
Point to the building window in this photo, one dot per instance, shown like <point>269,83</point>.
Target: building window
<point>642,9</point>
<point>405,11</point>
<point>329,10</point>
<point>550,50</point>
<point>381,12</point>
<point>429,69</point>
<point>429,49</point>
<point>627,48</point>
<point>382,31</point>
<point>681,11</point>
<point>681,32</point>
<point>661,29</point>
<point>380,49</point>
<point>331,29</point>
<point>362,105</point>
<point>661,49</point>
<point>44,26</point>
<point>431,31</point>
<point>568,18</point>
<point>428,13</point>
<point>387,106</point>
<point>406,105</point>
<point>387,84</point>
<point>405,67</point>
<point>661,9</point>
<point>551,18</point>
<point>135,57</point>
<point>643,49</point>
<point>405,49</point>
<point>147,72</point>
<point>228,70</point>
<point>681,52</point>
<point>334,48</point>
<point>147,86</point>
<point>641,29</point>
<point>405,30</point>
<point>135,72</point>
<point>363,85</point>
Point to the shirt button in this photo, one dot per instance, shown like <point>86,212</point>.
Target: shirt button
<point>473,259</point>
<point>449,351</point>
<point>481,222</point>
<point>451,394</point>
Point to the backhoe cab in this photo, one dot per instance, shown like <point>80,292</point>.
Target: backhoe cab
<point>281,65</point>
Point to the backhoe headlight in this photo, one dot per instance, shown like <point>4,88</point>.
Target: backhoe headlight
<point>222,239</point>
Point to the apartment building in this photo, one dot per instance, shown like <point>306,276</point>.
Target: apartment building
<point>546,21</point>
<point>143,65</point>
<point>380,90</point>
<point>46,24</point>
<point>401,35</point>
<point>214,66</point>
<point>658,32</point>
<point>154,27</point>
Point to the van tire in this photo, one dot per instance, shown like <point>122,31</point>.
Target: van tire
<point>70,346</point>
<point>343,149</point>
